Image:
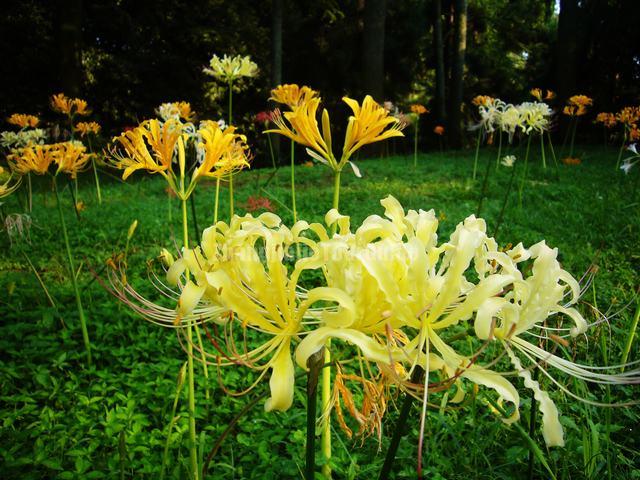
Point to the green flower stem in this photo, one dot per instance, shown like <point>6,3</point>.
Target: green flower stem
<point>524,170</point>
<point>293,183</point>
<point>336,191</point>
<point>504,202</point>
<point>29,188</point>
<point>72,271</point>
<point>314,363</point>
<point>573,137</point>
<point>553,154</point>
<point>624,141</point>
<point>231,173</point>
<point>415,144</point>
<point>193,453</point>
<point>475,159</point>
<point>632,333</point>
<point>194,214</point>
<point>499,148</point>
<point>95,172</point>
<point>273,157</point>
<point>399,430</point>
<point>485,182</point>
<point>544,157</point>
<point>216,202</point>
<point>174,419</point>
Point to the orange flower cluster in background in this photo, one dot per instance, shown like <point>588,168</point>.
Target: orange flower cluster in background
<point>571,161</point>
<point>577,105</point>
<point>537,94</point>
<point>69,106</point>
<point>439,130</point>
<point>607,119</point>
<point>23,120</point>
<point>419,109</point>
<point>85,128</point>
<point>71,158</point>
<point>482,100</point>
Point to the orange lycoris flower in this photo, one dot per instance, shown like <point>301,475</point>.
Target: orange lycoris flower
<point>85,128</point>
<point>439,130</point>
<point>482,100</point>
<point>69,106</point>
<point>571,161</point>
<point>609,120</point>
<point>23,120</point>
<point>419,109</point>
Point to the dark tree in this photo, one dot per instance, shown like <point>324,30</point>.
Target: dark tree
<point>439,100</point>
<point>457,73</point>
<point>373,54</point>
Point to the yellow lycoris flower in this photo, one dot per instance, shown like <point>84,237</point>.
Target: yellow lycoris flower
<point>629,116</point>
<point>292,95</point>
<point>5,183</point>
<point>577,105</point>
<point>32,159</point>
<point>81,107</point>
<point>392,293</point>
<point>22,120</point>
<point>369,123</point>
<point>228,69</point>
<point>149,147</point>
<point>419,109</point>
<point>225,151</point>
<point>71,157</point>
<point>536,93</point>
<point>85,128</point>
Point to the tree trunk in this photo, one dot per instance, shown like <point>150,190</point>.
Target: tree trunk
<point>69,33</point>
<point>276,61</point>
<point>457,73</point>
<point>440,72</point>
<point>567,53</point>
<point>373,37</point>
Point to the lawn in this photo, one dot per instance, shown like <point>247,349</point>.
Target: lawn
<point>63,420</point>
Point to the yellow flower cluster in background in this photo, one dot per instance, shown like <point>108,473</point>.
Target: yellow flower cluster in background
<point>23,120</point>
<point>419,109</point>
<point>70,158</point>
<point>537,94</point>
<point>292,95</point>
<point>482,100</point>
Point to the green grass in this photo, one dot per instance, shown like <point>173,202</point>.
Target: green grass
<point>61,420</point>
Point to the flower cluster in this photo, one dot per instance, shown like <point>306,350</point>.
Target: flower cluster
<point>391,296</point>
<point>69,106</point>
<point>176,110</point>
<point>369,123</point>
<point>87,128</point>
<point>229,69</point>
<point>6,187</point>
<point>537,94</point>
<point>497,115</point>
<point>153,146</point>
<point>577,105</point>
<point>69,157</point>
<point>609,120</point>
<point>23,120</point>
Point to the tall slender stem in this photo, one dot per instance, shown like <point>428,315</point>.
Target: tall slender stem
<point>30,191</point>
<point>553,155</point>
<point>273,157</point>
<point>504,202</point>
<point>624,141</point>
<point>217,201</point>
<point>293,182</point>
<point>95,176</point>
<point>499,148</point>
<point>415,144</point>
<point>630,337</point>
<point>230,173</point>
<point>544,157</point>
<point>72,271</point>
<point>524,170</point>
<point>573,137</point>
<point>485,182</point>
<point>314,364</point>
<point>193,453</point>
<point>475,159</point>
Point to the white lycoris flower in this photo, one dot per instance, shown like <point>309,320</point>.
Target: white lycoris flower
<point>536,116</point>
<point>490,114</point>
<point>508,160</point>
<point>510,120</point>
<point>168,111</point>
<point>23,138</point>
<point>633,148</point>
<point>222,124</point>
<point>228,69</point>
